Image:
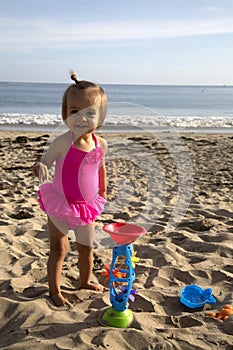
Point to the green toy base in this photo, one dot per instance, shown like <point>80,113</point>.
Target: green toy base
<point>118,319</point>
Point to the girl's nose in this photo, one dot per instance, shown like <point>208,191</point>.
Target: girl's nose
<point>80,116</point>
<point>84,117</point>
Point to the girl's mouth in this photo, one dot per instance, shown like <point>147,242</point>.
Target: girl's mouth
<point>80,126</point>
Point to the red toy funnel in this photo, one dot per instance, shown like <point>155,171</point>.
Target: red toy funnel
<point>124,233</point>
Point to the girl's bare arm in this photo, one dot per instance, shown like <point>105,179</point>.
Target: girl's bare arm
<point>41,167</point>
<point>102,171</point>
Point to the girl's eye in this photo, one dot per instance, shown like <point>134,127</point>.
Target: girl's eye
<point>90,114</point>
<point>74,111</point>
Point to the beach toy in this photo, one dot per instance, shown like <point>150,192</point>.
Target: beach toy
<point>116,272</point>
<point>123,233</point>
<point>222,314</point>
<point>134,259</point>
<point>121,274</point>
<point>194,296</point>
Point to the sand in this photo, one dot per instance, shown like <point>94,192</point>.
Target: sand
<point>180,188</point>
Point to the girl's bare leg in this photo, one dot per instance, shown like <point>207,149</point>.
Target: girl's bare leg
<point>84,238</point>
<point>58,233</point>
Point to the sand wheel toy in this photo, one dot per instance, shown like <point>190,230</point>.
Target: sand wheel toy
<point>121,274</point>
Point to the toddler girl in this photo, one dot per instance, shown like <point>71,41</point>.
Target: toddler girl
<point>77,193</point>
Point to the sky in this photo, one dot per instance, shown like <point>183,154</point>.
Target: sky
<point>183,42</point>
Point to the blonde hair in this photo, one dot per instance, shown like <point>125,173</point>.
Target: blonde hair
<point>95,92</point>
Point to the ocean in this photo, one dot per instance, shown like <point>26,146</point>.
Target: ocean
<point>37,106</point>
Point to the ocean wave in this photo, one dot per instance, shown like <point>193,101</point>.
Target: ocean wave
<point>30,119</point>
<point>123,120</point>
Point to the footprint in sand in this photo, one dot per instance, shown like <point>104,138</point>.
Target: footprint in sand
<point>22,214</point>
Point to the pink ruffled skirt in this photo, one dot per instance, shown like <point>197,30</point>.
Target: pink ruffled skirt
<point>75,213</point>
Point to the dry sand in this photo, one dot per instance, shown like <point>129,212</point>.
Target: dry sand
<point>151,182</point>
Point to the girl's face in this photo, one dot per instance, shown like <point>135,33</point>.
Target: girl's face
<point>82,112</point>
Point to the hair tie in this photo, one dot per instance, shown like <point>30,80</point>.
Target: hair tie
<point>74,77</point>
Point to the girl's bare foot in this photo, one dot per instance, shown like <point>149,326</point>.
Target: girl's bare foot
<point>59,300</point>
<point>92,286</point>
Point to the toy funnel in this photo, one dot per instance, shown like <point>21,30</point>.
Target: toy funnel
<point>124,233</point>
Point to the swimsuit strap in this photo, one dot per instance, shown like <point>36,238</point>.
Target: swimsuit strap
<point>71,138</point>
<point>95,140</point>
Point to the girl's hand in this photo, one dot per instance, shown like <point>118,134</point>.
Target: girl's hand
<point>40,170</point>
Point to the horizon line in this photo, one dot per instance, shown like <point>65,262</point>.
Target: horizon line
<point>128,84</point>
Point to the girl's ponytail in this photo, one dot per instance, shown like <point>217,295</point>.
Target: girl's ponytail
<point>74,77</point>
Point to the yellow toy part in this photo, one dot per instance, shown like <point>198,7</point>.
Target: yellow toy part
<point>134,259</point>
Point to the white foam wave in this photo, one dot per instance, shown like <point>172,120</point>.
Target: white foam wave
<point>172,121</point>
<point>29,119</point>
<point>130,120</point>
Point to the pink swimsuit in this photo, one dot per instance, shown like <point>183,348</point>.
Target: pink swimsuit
<point>73,195</point>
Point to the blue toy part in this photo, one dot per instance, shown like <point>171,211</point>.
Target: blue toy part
<point>194,296</point>
<point>119,300</point>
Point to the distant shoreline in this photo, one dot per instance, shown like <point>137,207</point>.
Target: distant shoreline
<point>118,129</point>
